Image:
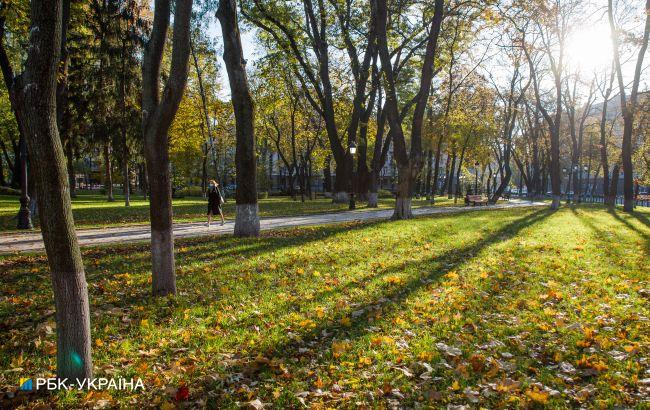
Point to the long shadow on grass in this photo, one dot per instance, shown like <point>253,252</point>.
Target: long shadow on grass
<point>229,250</point>
<point>375,273</point>
<point>395,297</point>
<point>618,217</point>
<point>609,236</point>
<point>641,218</point>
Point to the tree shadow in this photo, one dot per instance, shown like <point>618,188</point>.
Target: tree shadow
<point>639,217</point>
<point>132,255</point>
<point>609,236</point>
<point>394,298</point>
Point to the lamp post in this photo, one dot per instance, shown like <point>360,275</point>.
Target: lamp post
<point>476,164</point>
<point>24,214</point>
<point>353,151</point>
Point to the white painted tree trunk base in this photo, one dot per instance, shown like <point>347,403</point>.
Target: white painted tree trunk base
<point>402,209</point>
<point>340,198</point>
<point>163,278</point>
<point>373,200</point>
<point>555,204</point>
<point>247,220</point>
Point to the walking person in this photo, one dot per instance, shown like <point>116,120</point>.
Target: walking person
<point>215,200</point>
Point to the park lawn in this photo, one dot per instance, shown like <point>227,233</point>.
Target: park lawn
<point>503,308</point>
<point>91,210</point>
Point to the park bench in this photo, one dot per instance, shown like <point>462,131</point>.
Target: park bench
<point>476,200</point>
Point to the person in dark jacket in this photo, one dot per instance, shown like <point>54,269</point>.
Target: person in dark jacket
<point>215,200</point>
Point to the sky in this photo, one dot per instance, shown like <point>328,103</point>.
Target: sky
<point>588,49</point>
<point>251,51</point>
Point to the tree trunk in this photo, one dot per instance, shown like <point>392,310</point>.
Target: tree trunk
<point>628,107</point>
<point>445,181</point>
<point>125,179</point>
<point>157,115</point>
<point>612,190</point>
<point>341,182</point>
<point>38,88</point>
<point>126,189</point>
<point>204,175</point>
<point>160,212</point>
<point>427,185</point>
<point>2,173</point>
<point>409,163</point>
<point>362,172</point>
<point>70,161</point>
<point>247,222</point>
<point>403,195</point>
<point>380,152</point>
<point>108,174</point>
<point>452,169</point>
<point>489,178</point>
<point>593,184</point>
<point>327,175</point>
<point>144,186</point>
<point>310,191</point>
<point>504,181</point>
<point>457,193</point>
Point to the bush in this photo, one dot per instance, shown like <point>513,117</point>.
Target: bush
<point>262,195</point>
<point>5,190</point>
<point>189,191</point>
<point>384,193</point>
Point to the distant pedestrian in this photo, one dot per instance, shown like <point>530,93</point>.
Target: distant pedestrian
<point>215,200</point>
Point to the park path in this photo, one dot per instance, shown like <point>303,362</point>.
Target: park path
<point>33,242</point>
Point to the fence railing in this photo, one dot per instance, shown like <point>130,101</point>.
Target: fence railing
<point>600,199</point>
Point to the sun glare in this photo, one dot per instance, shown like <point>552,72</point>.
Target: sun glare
<point>590,49</point>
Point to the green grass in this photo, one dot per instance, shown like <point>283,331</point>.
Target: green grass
<point>546,309</point>
<point>92,210</point>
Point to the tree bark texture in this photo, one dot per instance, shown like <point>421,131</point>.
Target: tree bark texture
<point>157,115</point>
<point>37,101</point>
<point>247,222</point>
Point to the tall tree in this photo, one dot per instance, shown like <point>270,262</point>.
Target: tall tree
<point>628,107</point>
<point>408,163</point>
<point>552,32</point>
<point>157,115</point>
<point>35,99</point>
<point>303,33</point>
<point>577,130</point>
<point>605,86</point>
<point>247,222</point>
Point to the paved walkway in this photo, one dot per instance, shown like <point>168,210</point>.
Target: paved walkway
<point>33,242</point>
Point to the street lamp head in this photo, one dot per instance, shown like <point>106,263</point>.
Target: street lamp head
<point>476,164</point>
<point>353,148</point>
<point>585,168</point>
<point>575,167</point>
<point>564,170</point>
